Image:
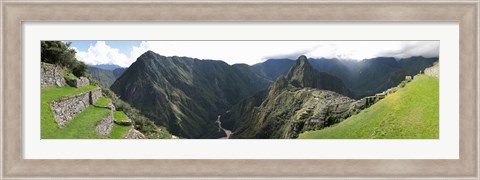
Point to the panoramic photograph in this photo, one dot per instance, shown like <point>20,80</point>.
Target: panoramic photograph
<point>239,89</point>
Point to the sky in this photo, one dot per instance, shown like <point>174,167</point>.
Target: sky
<point>124,53</point>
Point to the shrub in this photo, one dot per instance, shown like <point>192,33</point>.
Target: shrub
<point>141,123</point>
<point>60,53</point>
<point>109,93</point>
<point>79,69</point>
<point>57,52</point>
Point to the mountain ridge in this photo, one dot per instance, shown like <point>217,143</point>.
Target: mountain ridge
<point>187,94</point>
<point>286,106</point>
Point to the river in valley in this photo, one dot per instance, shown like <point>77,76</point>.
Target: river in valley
<point>220,128</point>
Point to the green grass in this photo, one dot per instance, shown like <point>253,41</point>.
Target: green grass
<point>52,93</point>
<point>120,116</point>
<point>69,75</point>
<point>102,101</point>
<point>118,132</point>
<point>80,126</point>
<point>410,113</point>
<point>83,125</point>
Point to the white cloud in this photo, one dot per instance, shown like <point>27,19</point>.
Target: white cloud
<point>251,52</point>
<point>101,53</point>
<point>359,50</point>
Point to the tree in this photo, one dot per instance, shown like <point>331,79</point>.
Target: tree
<point>60,53</point>
<point>79,69</point>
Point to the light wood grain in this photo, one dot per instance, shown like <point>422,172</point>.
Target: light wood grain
<point>16,12</point>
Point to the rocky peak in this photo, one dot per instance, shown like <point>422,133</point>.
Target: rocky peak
<point>302,73</point>
<point>279,84</point>
<point>149,55</point>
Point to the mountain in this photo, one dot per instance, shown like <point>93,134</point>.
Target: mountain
<point>186,94</point>
<point>363,78</point>
<point>303,100</point>
<point>410,113</point>
<point>378,74</point>
<point>118,72</point>
<point>273,68</point>
<point>105,77</point>
<point>302,74</point>
<point>109,67</point>
<point>278,98</point>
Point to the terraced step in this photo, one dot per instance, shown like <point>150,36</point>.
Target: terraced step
<point>49,126</point>
<point>87,119</point>
<point>121,118</point>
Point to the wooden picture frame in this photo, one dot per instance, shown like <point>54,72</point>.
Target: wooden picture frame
<point>16,12</point>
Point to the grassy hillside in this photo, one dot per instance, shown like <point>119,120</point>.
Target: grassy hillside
<point>410,113</point>
<point>185,94</point>
<point>105,77</point>
<point>80,126</point>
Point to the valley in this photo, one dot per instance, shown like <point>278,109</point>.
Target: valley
<point>228,133</point>
<point>266,100</point>
<point>183,97</point>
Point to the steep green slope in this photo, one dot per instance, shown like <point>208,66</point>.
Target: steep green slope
<point>185,94</point>
<point>363,78</point>
<point>412,112</point>
<point>273,68</point>
<point>82,126</point>
<point>105,77</point>
<point>118,72</point>
<point>302,74</point>
<point>304,100</point>
<point>338,68</point>
<point>378,74</point>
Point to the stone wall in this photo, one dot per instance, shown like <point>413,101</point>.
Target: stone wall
<point>51,75</point>
<point>128,122</point>
<point>95,95</point>
<point>78,82</point>
<point>134,134</point>
<point>67,108</point>
<point>105,126</point>
<point>433,71</point>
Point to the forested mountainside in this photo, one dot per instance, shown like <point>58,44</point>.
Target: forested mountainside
<point>187,95</point>
<point>104,76</point>
<point>363,78</point>
<point>282,112</point>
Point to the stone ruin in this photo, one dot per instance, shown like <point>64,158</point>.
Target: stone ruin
<point>433,71</point>
<point>80,82</point>
<point>67,108</point>
<point>106,124</point>
<point>51,75</point>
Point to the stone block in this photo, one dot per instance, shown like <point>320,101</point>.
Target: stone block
<point>95,95</point>
<point>51,75</point>
<point>105,126</point>
<point>79,82</point>
<point>67,108</point>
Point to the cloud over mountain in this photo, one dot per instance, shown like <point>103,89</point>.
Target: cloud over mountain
<point>252,52</point>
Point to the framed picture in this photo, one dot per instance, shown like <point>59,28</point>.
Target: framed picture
<point>211,89</point>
